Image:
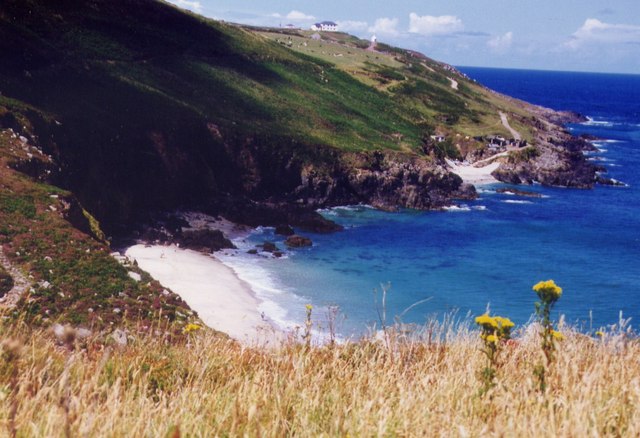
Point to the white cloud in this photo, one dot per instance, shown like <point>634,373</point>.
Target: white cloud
<point>596,31</point>
<point>430,25</point>
<point>275,15</point>
<point>501,43</point>
<point>385,26</point>
<point>187,4</point>
<point>352,26</point>
<point>297,15</point>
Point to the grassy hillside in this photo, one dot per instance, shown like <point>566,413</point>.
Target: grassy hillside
<point>147,107</point>
<point>68,273</point>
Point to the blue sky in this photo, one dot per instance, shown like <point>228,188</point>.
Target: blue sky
<point>585,35</point>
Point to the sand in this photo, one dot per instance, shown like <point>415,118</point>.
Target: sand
<point>223,301</point>
<point>475,175</point>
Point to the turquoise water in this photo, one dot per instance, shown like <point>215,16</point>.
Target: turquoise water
<point>488,252</point>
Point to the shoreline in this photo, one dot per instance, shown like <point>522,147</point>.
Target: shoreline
<point>222,300</point>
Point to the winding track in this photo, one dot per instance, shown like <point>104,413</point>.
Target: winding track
<point>505,122</point>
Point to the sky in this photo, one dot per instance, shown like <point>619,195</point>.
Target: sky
<point>568,35</point>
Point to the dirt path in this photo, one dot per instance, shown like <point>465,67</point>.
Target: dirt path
<point>454,83</point>
<point>505,122</point>
<point>20,283</point>
<point>491,158</point>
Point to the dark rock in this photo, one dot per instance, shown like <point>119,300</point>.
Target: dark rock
<point>284,230</point>
<point>296,241</point>
<point>519,193</point>
<point>466,191</point>
<point>204,240</point>
<point>77,216</point>
<point>277,254</point>
<point>255,214</point>
<point>610,182</point>
<point>252,251</point>
<point>6,282</point>
<point>577,144</point>
<point>564,117</point>
<point>269,247</point>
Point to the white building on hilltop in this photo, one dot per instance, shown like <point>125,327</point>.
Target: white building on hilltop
<point>327,26</point>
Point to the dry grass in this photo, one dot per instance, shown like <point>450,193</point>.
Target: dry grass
<point>207,386</point>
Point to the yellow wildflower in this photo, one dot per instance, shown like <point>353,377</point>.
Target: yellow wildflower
<point>191,328</point>
<point>309,307</point>
<point>487,321</point>
<point>557,335</point>
<point>505,323</point>
<point>600,334</point>
<point>548,290</point>
<point>492,339</point>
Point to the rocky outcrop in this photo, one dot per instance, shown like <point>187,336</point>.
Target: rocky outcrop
<point>203,240</point>
<point>547,165</point>
<point>386,180</point>
<point>296,241</point>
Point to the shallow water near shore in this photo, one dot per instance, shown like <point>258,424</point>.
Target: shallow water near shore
<point>486,252</point>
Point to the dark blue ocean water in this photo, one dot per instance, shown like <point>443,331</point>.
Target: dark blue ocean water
<point>490,251</point>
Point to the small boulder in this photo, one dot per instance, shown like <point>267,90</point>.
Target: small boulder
<point>296,241</point>
<point>119,337</point>
<point>269,247</point>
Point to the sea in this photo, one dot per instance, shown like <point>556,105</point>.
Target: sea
<point>413,267</point>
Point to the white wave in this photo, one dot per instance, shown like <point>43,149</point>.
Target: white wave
<point>592,122</point>
<point>480,207</point>
<point>516,201</point>
<point>457,208</point>
<point>265,287</point>
<point>333,211</point>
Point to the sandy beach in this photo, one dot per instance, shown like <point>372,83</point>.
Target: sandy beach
<point>475,175</point>
<point>222,300</point>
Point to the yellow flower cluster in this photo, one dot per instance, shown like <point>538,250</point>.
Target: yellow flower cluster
<point>494,328</point>
<point>189,328</point>
<point>557,335</point>
<point>486,321</point>
<point>548,291</point>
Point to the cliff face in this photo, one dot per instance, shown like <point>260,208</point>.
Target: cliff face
<point>384,180</point>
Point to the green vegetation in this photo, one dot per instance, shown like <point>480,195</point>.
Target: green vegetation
<point>86,76</point>
<point>523,155</point>
<point>73,278</point>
